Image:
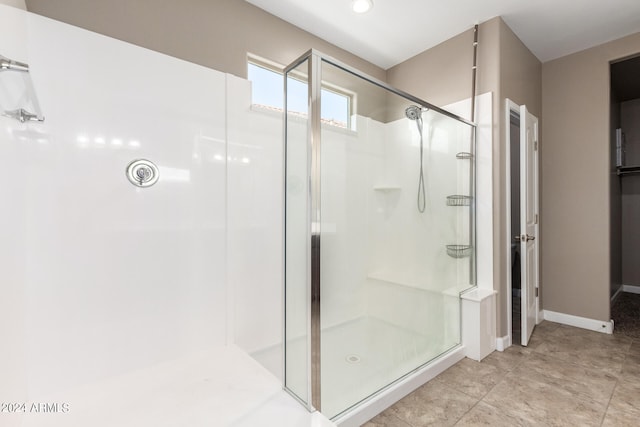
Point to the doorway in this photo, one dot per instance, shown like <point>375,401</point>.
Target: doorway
<point>624,191</point>
<point>522,198</point>
<point>514,247</point>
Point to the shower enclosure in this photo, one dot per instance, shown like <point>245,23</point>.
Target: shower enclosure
<point>379,233</point>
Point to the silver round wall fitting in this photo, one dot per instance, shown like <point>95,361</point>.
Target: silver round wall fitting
<point>142,173</point>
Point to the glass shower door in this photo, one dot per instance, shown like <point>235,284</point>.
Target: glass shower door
<point>389,287</point>
<point>297,236</point>
<point>379,235</point>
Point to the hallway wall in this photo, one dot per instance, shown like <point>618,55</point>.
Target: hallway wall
<point>576,179</point>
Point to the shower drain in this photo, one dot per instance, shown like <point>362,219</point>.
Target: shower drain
<point>353,358</point>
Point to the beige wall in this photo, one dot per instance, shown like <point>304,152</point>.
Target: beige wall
<point>20,4</point>
<point>214,33</point>
<point>442,74</point>
<point>576,179</point>
<point>521,82</point>
<point>506,67</point>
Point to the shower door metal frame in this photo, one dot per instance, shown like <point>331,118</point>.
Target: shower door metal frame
<point>314,82</point>
<point>314,203</point>
<point>315,88</point>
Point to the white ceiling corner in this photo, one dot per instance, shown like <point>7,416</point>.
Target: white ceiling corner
<point>395,30</point>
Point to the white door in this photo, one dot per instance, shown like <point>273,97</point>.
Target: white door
<point>528,221</point>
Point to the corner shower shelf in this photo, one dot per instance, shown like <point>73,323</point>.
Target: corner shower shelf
<point>464,155</point>
<point>458,200</point>
<point>386,188</point>
<point>459,251</point>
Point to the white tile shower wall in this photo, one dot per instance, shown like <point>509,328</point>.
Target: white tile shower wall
<point>13,228</point>
<point>369,217</point>
<point>347,174</point>
<point>484,192</point>
<point>114,297</point>
<point>110,292</point>
<point>255,212</point>
<point>421,237</point>
<point>410,260</point>
<point>116,275</point>
<point>437,272</point>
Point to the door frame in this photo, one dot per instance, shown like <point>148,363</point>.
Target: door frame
<point>513,108</point>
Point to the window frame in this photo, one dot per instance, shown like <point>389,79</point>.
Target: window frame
<point>350,96</point>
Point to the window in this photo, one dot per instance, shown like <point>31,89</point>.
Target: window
<point>268,92</point>
<point>335,108</point>
<point>267,86</point>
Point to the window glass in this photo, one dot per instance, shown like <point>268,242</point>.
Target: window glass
<point>335,108</point>
<point>268,92</point>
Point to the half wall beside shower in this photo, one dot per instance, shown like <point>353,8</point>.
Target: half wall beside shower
<point>379,234</point>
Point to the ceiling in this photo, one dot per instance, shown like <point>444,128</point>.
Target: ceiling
<point>395,30</point>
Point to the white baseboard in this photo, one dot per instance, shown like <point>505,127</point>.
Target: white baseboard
<point>617,293</point>
<point>632,289</point>
<point>579,322</point>
<point>503,343</point>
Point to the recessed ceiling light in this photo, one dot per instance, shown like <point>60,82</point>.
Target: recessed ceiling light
<point>362,6</point>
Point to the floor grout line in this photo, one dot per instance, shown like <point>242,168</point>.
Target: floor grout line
<point>463,415</point>
<point>506,369</point>
<point>604,415</point>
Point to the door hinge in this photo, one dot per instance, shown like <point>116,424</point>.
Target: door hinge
<point>535,145</point>
<point>535,219</point>
<point>536,292</point>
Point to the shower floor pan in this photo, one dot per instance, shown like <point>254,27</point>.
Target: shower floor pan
<point>363,356</point>
<point>221,387</point>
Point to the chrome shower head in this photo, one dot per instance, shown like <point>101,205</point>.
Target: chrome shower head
<point>413,112</point>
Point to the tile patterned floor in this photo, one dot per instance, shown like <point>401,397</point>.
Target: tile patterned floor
<point>565,377</point>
